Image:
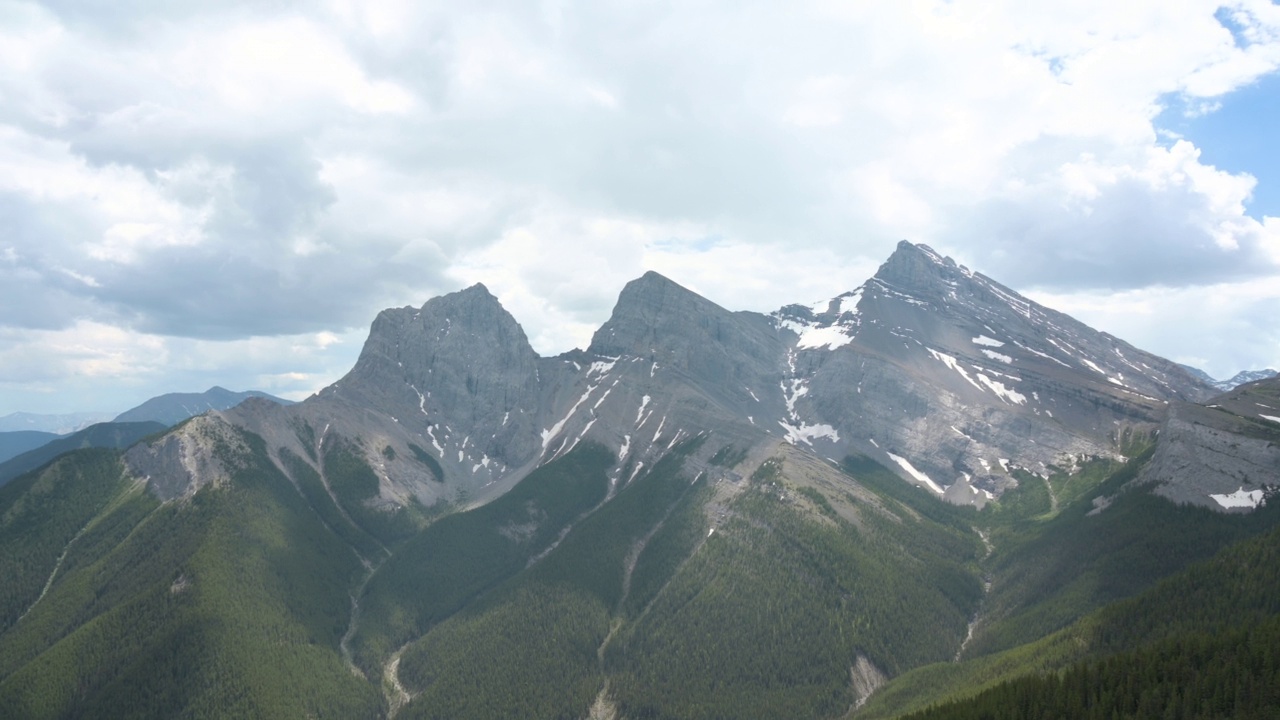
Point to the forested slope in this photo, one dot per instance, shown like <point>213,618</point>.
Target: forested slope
<point>1079,585</point>
<point>232,604</point>
<point>717,583</point>
<point>1201,644</point>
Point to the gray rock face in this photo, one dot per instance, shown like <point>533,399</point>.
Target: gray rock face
<point>936,371</point>
<point>962,378</point>
<point>1225,455</point>
<point>180,463</point>
<point>461,370</point>
<point>659,321</point>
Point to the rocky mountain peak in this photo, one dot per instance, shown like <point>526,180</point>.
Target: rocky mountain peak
<point>460,358</point>
<point>656,318</point>
<point>676,332</point>
<point>466,325</point>
<point>916,267</point>
<point>1241,378</point>
<point>652,295</point>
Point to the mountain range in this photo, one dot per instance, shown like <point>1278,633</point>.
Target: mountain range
<point>1240,378</point>
<point>61,424</point>
<point>945,376</point>
<point>173,408</point>
<point>24,450</point>
<point>912,492</point>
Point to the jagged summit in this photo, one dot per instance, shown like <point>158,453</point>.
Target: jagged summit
<point>477,295</point>
<point>459,372</point>
<point>660,320</point>
<point>928,367</point>
<point>920,272</point>
<point>644,304</point>
<point>470,322</point>
<point>914,266</point>
<point>931,368</point>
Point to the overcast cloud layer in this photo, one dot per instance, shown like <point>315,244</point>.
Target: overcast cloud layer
<point>200,193</point>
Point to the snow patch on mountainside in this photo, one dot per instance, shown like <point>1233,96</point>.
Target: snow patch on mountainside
<point>830,337</point>
<point>816,336</point>
<point>1004,393</point>
<point>913,472</point>
<point>790,395</point>
<point>1046,356</point>
<point>1240,499</point>
<point>602,368</point>
<point>849,303</point>
<point>550,433</point>
<point>644,401</point>
<point>803,433</point>
<point>951,362</point>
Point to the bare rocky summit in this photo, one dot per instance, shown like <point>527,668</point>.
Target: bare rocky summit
<point>936,371</point>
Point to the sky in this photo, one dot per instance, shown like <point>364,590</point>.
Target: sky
<point>197,194</point>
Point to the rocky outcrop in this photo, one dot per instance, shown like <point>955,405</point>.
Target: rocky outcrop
<point>1225,455</point>
<point>199,453</point>
<point>459,368</point>
<point>659,321</point>
<point>938,372</point>
<point>952,378</point>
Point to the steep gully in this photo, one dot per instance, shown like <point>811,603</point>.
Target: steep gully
<point>603,708</point>
<point>370,566</point>
<point>986,588</point>
<point>57,566</point>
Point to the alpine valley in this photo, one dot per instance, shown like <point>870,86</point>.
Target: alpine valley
<point>928,495</point>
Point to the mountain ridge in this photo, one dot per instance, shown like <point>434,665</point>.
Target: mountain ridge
<point>953,408</point>
<point>703,514</point>
<point>1240,378</point>
<point>173,408</point>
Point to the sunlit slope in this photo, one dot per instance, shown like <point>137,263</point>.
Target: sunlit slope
<point>695,594</point>
<point>1054,573</point>
<point>1198,644</point>
<point>231,604</point>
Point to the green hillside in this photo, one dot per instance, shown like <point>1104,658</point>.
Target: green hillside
<point>440,570</point>
<point>1077,587</point>
<point>645,608</point>
<point>229,605</point>
<point>1201,644</point>
<point>690,592</point>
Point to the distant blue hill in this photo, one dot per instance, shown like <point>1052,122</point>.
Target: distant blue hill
<point>63,424</point>
<point>17,442</point>
<point>112,435</point>
<point>173,408</point>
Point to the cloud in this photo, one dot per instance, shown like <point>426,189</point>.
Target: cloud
<point>1221,329</point>
<point>97,366</point>
<point>559,274</point>
<point>235,172</point>
<point>1091,225</point>
<point>235,247</point>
